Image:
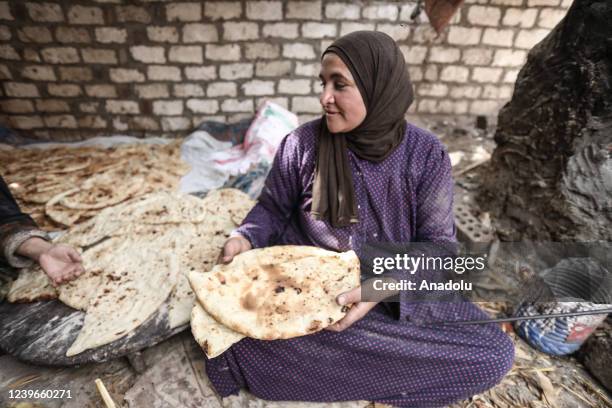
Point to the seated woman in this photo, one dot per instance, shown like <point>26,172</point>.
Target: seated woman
<point>362,174</point>
<point>22,243</point>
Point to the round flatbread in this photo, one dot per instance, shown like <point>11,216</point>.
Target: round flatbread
<point>278,292</point>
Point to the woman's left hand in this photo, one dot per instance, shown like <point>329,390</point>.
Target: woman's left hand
<point>356,312</point>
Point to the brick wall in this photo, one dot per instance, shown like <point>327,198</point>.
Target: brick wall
<point>73,69</point>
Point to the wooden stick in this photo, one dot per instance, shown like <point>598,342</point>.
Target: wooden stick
<point>471,167</point>
<point>108,401</point>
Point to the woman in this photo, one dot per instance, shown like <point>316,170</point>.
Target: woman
<point>22,243</point>
<point>359,174</point>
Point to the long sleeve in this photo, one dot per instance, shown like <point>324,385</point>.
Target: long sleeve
<point>279,197</point>
<point>15,228</point>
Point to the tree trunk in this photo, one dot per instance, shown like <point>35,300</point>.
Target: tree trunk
<point>550,177</point>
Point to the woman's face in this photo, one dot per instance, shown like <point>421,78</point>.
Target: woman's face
<point>340,97</point>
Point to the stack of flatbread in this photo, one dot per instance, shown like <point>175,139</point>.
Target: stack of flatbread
<point>271,293</point>
<point>64,186</point>
<point>137,256</point>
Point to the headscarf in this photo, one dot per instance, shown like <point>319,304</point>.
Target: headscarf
<point>380,73</point>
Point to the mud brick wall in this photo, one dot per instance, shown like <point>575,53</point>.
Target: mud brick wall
<point>79,68</point>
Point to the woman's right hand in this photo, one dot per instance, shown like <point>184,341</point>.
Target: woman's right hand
<point>232,247</point>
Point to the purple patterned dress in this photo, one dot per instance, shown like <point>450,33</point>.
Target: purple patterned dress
<point>384,357</point>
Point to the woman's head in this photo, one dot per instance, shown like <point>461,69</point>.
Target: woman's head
<point>365,83</point>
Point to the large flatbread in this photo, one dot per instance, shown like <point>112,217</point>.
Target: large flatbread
<point>278,292</point>
<point>31,285</point>
<point>129,294</point>
<point>213,337</point>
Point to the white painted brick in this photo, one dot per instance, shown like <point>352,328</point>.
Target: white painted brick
<point>444,54</point>
<point>415,73</point>
<point>236,71</point>
<point>85,15</point>
<point>101,91</point>
<point>65,90</point>
<point>122,107</point>
<point>29,54</point>
<point>511,75</point>
<point>200,33</point>
<point>72,35</point>
<point>204,73</point>
<point>119,124</point>
<point>34,34</point>
<point>16,106</point>
<point>294,86</point>
<point>346,28</point>
<point>484,107</point>
<point>240,31</point>
<point>477,56</point>
<point>175,123</point>
<point>163,73</point>
<point>304,10</point>
<point>396,31</point>
<point>509,58</point>
<point>221,89</point>
<point>8,52</point>
<point>305,104</point>
<point>261,50</point>
<point>428,106</point>
<point>426,89</point>
<point>76,74</point>
<point>258,87</point>
<point>222,10</point>
<point>38,73</point>
<point>111,35</point>
<point>152,91</point>
<point>381,12</point>
<point>52,105</point>
<point>91,121</point>
<point>89,107</point>
<point>264,10</point>
<point>45,12</point>
<point>168,107</point>
<point>342,11</point>
<point>318,30</point>
<point>273,68</point>
<point>406,11</point>
<point>151,55</point>
<point>325,45</point>
<point>60,121</point>
<point>425,34</point>
<point>98,56</point>
<point>298,51</point>
<point>486,16</point>
<point>203,106</point>
<point>25,122</point>
<point>144,123</point>
<point>184,12</point>
<point>237,105</point>
<point>431,73</point>
<point>532,3</point>
<point>125,75</point>
<point>447,106</point>
<point>502,38</point>
<point>5,33</point>
<point>188,90</point>
<point>453,73</point>
<point>132,14</point>
<point>566,3</point>
<point>528,38</point>
<point>60,55</point>
<point>229,52</point>
<point>467,91</point>
<point>507,2</point>
<point>549,17</point>
<point>414,54</point>
<point>524,18</point>
<point>5,11</point>
<point>485,74</point>
<point>186,54</point>
<point>279,100</point>
<point>497,92</point>
<point>198,119</point>
<point>306,69</point>
<point>163,34</point>
<point>464,35</point>
<point>280,30</point>
<point>5,73</point>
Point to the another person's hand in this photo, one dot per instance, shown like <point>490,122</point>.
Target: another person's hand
<point>62,263</point>
<point>232,247</point>
<point>356,312</point>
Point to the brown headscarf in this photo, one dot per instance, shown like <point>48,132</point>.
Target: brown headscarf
<point>380,73</point>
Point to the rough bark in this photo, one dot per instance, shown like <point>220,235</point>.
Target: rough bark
<point>550,177</point>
